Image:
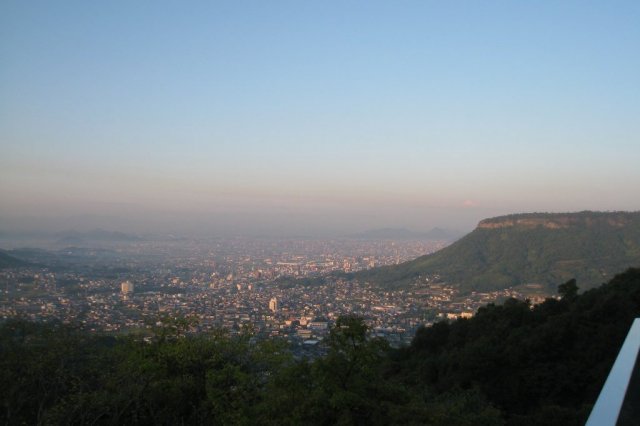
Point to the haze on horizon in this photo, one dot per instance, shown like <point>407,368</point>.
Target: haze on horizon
<point>297,117</point>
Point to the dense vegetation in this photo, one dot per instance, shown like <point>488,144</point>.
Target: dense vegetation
<point>8,261</point>
<point>539,248</point>
<point>510,364</point>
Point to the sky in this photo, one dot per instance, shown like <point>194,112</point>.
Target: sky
<point>314,117</point>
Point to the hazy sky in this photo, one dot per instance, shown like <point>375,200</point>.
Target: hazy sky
<point>310,115</point>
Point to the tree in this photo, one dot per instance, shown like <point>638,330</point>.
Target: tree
<point>349,375</point>
<point>569,290</point>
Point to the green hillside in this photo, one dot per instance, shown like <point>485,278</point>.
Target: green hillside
<point>545,248</point>
<point>8,261</point>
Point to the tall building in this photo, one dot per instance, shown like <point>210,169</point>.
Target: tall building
<point>126,287</point>
<point>273,304</point>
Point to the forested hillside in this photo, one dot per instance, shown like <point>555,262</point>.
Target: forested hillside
<point>543,248</point>
<point>8,261</point>
<point>511,364</point>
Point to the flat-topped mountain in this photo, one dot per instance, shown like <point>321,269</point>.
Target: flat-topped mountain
<point>543,248</point>
<point>560,220</point>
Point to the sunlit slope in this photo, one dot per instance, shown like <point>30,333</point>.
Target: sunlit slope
<point>544,248</point>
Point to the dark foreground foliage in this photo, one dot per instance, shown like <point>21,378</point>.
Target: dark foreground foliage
<point>510,364</point>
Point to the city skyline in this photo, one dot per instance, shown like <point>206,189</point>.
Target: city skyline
<point>308,118</point>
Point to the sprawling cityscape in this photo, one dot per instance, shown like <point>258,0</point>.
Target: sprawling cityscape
<point>264,285</point>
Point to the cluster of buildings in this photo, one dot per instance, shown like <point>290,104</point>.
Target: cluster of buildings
<point>238,289</point>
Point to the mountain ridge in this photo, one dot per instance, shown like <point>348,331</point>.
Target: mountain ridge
<point>9,261</point>
<point>545,248</point>
<point>435,234</point>
<point>557,220</point>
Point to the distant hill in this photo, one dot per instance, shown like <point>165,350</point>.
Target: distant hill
<point>71,238</point>
<point>436,234</point>
<point>544,248</point>
<point>8,261</point>
<point>68,258</point>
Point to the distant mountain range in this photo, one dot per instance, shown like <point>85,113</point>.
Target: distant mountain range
<point>543,248</point>
<point>436,234</point>
<point>76,237</point>
<point>71,237</point>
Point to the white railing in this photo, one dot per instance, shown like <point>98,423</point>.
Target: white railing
<point>607,408</point>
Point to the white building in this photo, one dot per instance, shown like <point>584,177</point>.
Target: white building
<point>126,287</point>
<point>273,304</point>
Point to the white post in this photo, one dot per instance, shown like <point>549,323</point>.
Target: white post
<point>607,408</point>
